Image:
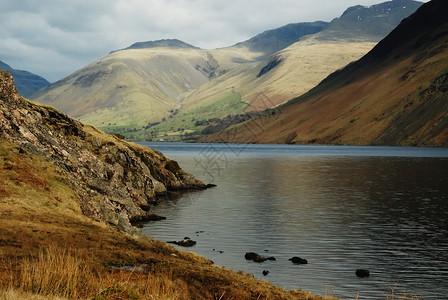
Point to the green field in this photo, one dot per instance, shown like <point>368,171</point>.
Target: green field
<point>188,124</point>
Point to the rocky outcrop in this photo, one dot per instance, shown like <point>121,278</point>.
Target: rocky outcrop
<point>114,179</point>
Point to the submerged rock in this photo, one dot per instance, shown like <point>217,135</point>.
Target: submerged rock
<point>186,242</point>
<point>298,260</point>
<point>257,257</point>
<point>362,273</point>
<point>254,256</point>
<point>265,272</point>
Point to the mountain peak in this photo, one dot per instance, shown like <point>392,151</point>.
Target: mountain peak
<point>164,43</point>
<point>369,23</point>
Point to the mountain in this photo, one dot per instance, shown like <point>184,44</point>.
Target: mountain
<point>133,88</point>
<point>171,90</point>
<point>27,83</point>
<point>395,95</point>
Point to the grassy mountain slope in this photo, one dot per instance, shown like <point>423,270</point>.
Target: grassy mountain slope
<point>27,83</point>
<point>135,87</point>
<point>394,95</point>
<point>65,190</point>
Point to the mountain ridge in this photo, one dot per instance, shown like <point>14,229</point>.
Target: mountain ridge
<point>26,82</point>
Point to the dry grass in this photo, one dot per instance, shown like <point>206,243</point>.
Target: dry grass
<point>71,274</point>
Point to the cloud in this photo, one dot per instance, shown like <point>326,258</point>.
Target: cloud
<point>54,38</point>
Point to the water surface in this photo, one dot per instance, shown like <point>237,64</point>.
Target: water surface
<point>341,208</point>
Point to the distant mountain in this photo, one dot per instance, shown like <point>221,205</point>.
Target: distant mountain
<point>277,39</point>
<point>397,94</point>
<point>27,83</point>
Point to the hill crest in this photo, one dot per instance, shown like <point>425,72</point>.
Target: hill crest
<point>163,43</point>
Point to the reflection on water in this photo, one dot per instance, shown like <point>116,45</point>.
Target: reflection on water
<point>384,213</point>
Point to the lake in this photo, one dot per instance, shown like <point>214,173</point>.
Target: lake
<point>342,208</point>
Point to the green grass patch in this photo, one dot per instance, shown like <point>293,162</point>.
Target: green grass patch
<point>191,120</point>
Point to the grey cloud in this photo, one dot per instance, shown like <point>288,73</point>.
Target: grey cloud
<point>53,38</point>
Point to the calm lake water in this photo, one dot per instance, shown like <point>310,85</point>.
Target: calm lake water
<point>342,208</point>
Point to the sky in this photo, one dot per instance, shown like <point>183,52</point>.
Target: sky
<point>54,38</point>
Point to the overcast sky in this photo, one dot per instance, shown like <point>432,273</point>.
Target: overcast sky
<point>54,38</point>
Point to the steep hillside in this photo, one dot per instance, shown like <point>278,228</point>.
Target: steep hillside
<point>26,82</point>
<point>395,95</point>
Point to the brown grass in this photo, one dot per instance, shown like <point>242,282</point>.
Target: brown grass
<point>71,274</point>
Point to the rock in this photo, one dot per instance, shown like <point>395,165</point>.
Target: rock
<point>255,257</point>
<point>210,185</point>
<point>186,242</point>
<point>271,258</point>
<point>362,273</point>
<point>265,272</point>
<point>298,260</point>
